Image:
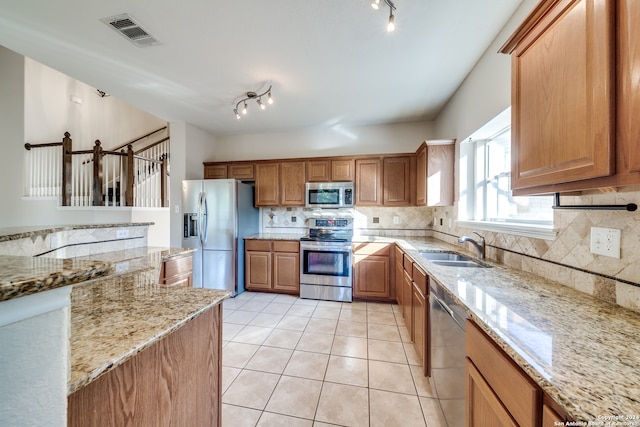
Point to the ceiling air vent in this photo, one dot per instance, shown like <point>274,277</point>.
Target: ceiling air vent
<point>127,26</point>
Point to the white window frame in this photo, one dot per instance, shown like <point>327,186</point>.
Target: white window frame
<point>467,210</point>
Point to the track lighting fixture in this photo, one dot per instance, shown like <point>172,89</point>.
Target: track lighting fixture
<point>391,25</point>
<point>258,99</point>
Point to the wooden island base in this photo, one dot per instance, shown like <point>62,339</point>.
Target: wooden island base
<point>176,381</point>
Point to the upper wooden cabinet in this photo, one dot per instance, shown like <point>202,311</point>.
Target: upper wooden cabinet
<point>240,170</point>
<point>330,170</point>
<point>435,161</point>
<point>397,183</point>
<point>292,179</point>
<point>318,170</point>
<point>267,184</point>
<point>563,96</point>
<point>343,170</point>
<point>368,186</point>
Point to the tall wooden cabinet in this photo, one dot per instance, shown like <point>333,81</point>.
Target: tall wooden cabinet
<point>267,184</point>
<point>575,97</point>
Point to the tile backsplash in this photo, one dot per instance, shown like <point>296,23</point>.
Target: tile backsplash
<point>568,259</point>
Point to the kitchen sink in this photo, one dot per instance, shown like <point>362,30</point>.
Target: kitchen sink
<point>451,259</point>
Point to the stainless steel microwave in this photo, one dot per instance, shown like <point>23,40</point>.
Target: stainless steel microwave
<point>329,194</point>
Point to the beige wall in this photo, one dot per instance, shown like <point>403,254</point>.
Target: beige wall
<point>335,141</point>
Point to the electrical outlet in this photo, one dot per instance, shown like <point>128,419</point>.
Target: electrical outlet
<point>122,234</point>
<point>396,219</point>
<point>605,241</point>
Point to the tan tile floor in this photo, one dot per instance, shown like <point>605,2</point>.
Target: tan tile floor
<point>294,362</point>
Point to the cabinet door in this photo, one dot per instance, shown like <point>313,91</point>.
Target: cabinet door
<point>242,171</point>
<point>319,171</point>
<point>407,296</point>
<point>551,418</point>
<point>267,184</point>
<point>421,175</point>
<point>292,179</point>
<point>397,181</point>
<point>286,272</point>
<point>342,170</point>
<point>484,409</point>
<point>562,96</point>
<point>371,276</point>
<point>418,313</point>
<point>628,108</point>
<point>368,182</point>
<point>215,172</point>
<point>440,163</point>
<point>399,275</point>
<point>257,270</point>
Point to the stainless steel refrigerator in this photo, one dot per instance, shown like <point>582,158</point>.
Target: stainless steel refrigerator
<point>218,214</point>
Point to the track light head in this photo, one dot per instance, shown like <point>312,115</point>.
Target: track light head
<point>375,4</point>
<point>391,26</point>
<point>270,99</point>
<point>238,116</point>
<point>244,109</point>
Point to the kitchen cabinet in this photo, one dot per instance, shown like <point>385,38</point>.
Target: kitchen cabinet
<point>435,161</point>
<point>397,182</point>
<point>267,184</point>
<point>292,180</point>
<point>215,171</point>
<point>498,391</point>
<point>368,184</point>
<point>330,170</point>
<point>240,170</point>
<point>342,170</point>
<point>551,417</point>
<point>399,275</point>
<point>272,266</point>
<point>177,271</point>
<point>407,292</point>
<point>564,97</point>
<point>371,270</point>
<point>420,316</point>
<point>175,381</point>
<point>319,170</point>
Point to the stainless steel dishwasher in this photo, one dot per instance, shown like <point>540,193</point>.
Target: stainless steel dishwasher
<point>447,348</point>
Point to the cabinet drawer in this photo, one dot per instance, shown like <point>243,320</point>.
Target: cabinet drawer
<point>176,266</point>
<point>420,279</point>
<point>286,246</point>
<point>408,264</point>
<point>380,249</point>
<point>513,387</point>
<point>257,245</point>
<point>182,280</point>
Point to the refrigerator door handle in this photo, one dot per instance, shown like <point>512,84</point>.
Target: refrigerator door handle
<point>205,219</point>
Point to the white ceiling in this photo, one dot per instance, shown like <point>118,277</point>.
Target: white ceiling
<point>330,61</point>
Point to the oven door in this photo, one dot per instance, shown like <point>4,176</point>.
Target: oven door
<point>325,263</point>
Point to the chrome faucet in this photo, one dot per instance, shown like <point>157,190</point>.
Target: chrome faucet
<point>480,246</point>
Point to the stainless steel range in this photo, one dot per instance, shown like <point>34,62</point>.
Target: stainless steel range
<point>325,260</point>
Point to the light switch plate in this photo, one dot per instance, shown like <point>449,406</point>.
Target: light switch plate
<point>605,241</point>
<point>396,219</point>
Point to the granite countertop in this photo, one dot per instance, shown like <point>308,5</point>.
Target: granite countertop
<point>582,351</point>
<point>15,233</point>
<point>23,276</point>
<point>113,319</point>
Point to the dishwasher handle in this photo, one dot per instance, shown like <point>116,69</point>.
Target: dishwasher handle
<point>448,309</point>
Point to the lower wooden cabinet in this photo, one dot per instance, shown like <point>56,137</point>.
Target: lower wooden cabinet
<point>420,316</point>
<point>272,266</point>
<point>176,381</point>
<point>177,271</point>
<point>371,270</point>
<point>505,385</point>
<point>483,406</point>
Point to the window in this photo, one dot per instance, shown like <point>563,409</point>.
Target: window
<point>485,200</point>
